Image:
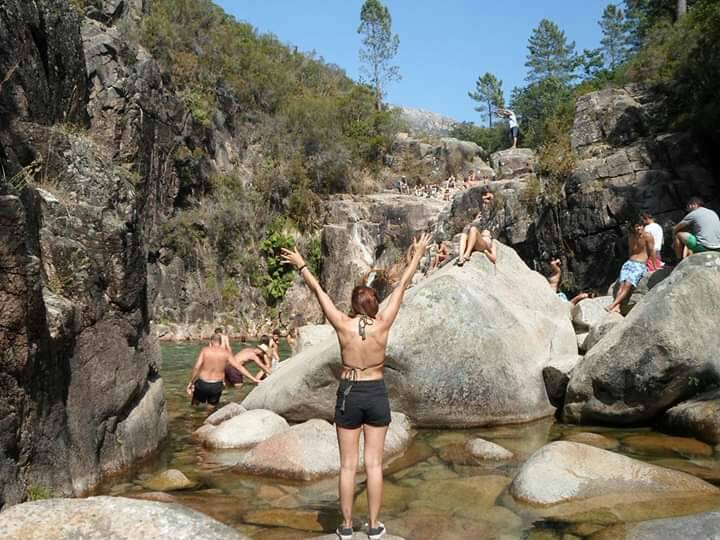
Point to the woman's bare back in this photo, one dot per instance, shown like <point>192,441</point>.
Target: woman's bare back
<point>365,355</point>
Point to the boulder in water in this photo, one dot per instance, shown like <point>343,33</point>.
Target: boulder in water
<point>657,355</point>
<point>468,348</point>
<point>225,413</point>
<point>170,480</point>
<point>699,416</point>
<point>245,430</point>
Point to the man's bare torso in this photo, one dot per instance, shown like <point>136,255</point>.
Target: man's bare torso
<point>213,366</point>
<point>637,245</point>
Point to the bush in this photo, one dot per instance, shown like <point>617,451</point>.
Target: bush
<point>279,276</point>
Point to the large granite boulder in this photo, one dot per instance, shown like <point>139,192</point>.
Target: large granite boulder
<point>310,335</point>
<point>601,329</point>
<point>589,312</point>
<point>110,517</point>
<point>309,451</point>
<point>699,417</point>
<point>468,348</point>
<point>568,480</point>
<point>658,355</point>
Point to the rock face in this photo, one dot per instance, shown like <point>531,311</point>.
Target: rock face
<point>467,348</point>
<point>309,451</point>
<point>421,122</point>
<point>566,478</point>
<point>699,417</point>
<point>312,335</point>
<point>362,234</point>
<point>80,394</point>
<point>110,517</point>
<point>658,355</point>
<point>513,163</point>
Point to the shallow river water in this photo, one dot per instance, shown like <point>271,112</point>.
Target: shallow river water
<point>423,489</point>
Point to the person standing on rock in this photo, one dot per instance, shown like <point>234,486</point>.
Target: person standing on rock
<point>512,124</point>
<point>641,246</point>
<point>704,225</point>
<point>362,400</point>
<point>206,380</point>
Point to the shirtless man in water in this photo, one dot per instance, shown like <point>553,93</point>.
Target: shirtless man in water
<point>206,379</point>
<point>641,246</point>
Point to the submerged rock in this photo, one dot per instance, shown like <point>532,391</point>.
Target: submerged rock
<point>572,481</point>
<point>593,439</point>
<point>695,527</point>
<point>654,358</point>
<point>659,444</point>
<point>467,348</point>
<point>110,517</point>
<point>170,480</point>
<point>486,450</point>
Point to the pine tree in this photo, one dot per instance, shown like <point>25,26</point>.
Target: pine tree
<point>380,46</point>
<point>550,56</point>
<point>615,40</point>
<point>489,95</point>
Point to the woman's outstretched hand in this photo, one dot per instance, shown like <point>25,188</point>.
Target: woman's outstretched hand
<point>292,257</point>
<point>420,245</point>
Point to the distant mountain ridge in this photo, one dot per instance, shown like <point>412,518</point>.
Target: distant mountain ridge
<point>422,122</point>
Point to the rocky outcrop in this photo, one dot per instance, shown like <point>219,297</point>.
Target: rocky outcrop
<point>661,354</point>
<point>371,232</point>
<point>497,327</point>
<point>513,163</point>
<point>566,481</point>
<point>81,394</point>
<point>421,122</point>
<point>110,517</point>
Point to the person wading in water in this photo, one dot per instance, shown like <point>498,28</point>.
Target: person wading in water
<point>362,400</point>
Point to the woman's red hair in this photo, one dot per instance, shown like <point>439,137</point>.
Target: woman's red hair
<point>364,301</point>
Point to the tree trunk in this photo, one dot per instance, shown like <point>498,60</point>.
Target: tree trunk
<point>681,9</point>
<point>490,111</point>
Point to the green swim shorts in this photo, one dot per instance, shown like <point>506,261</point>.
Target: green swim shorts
<point>693,244</point>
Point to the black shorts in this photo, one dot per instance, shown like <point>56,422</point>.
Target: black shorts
<point>366,403</point>
<point>207,392</point>
<point>514,132</point>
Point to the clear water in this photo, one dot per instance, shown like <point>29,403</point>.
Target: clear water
<point>302,510</point>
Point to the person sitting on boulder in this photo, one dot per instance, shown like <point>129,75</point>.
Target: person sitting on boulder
<point>512,124</point>
<point>554,282</point>
<point>704,225</point>
<point>641,246</point>
<point>441,254</point>
<point>206,379</point>
<point>362,400</point>
<point>478,224</point>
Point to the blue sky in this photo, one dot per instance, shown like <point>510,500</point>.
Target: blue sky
<point>443,46</point>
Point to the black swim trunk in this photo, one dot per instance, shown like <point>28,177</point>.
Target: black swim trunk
<point>514,132</point>
<point>207,392</point>
<point>365,403</point>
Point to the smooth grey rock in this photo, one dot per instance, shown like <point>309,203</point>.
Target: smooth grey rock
<point>103,518</point>
<point>601,328</point>
<point>309,451</point>
<point>563,473</point>
<point>486,450</point>
<point>652,359</point>
<point>310,335</point>
<point>467,348</point>
<point>170,480</point>
<point>246,429</point>
<point>225,413</point>
<point>704,526</point>
<point>589,312</point>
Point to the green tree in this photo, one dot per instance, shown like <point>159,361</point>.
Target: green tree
<point>489,95</point>
<point>615,40</point>
<point>550,55</point>
<point>592,63</point>
<point>380,45</point>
